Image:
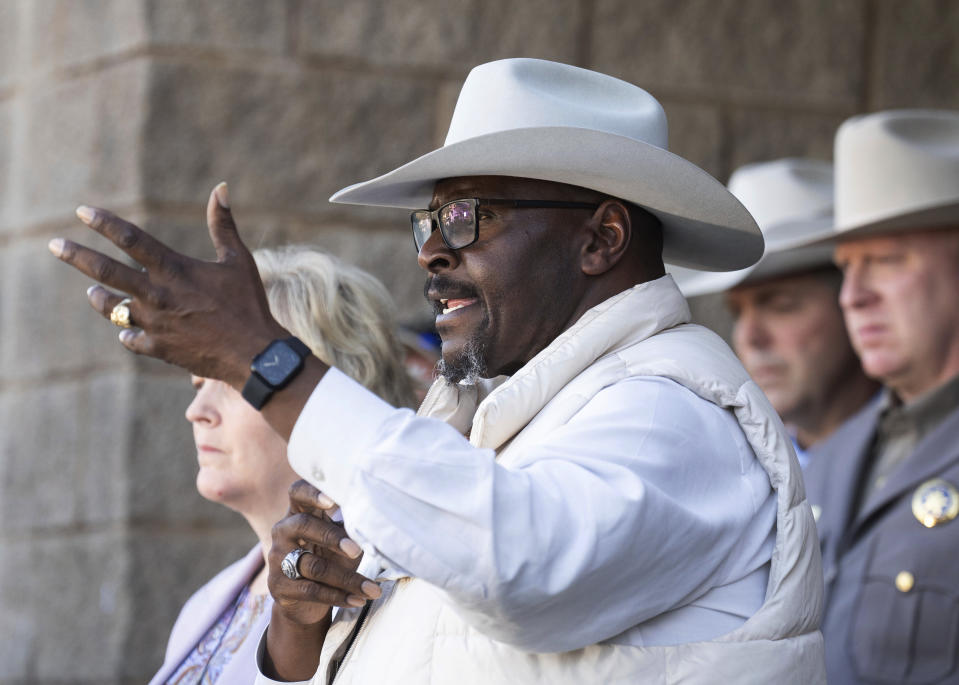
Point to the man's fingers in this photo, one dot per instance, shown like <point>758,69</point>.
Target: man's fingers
<point>291,592</point>
<point>137,341</point>
<point>136,242</point>
<point>103,300</point>
<point>219,219</point>
<point>306,498</point>
<point>317,531</point>
<point>326,571</point>
<point>134,339</point>
<point>99,267</point>
<point>323,580</point>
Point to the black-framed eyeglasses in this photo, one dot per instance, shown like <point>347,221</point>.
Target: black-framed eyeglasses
<point>458,220</point>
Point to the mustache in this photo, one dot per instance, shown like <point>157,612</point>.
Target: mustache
<point>447,288</point>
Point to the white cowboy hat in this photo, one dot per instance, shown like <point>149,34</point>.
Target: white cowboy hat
<point>536,119</point>
<point>897,170</point>
<point>792,201</point>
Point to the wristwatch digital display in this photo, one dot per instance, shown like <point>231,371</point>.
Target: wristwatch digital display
<point>273,369</point>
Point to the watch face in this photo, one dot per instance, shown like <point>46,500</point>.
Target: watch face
<point>276,362</point>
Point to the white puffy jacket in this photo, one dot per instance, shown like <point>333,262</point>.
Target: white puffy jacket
<point>640,332</point>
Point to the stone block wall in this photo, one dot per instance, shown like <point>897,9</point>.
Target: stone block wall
<point>143,105</point>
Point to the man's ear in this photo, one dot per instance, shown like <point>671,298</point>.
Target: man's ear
<point>608,234</point>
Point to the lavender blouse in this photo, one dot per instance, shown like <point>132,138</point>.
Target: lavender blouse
<point>215,637</point>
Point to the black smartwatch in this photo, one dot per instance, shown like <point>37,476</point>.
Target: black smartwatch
<point>273,369</point>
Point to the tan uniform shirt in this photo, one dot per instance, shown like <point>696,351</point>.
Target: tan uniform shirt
<point>901,428</point>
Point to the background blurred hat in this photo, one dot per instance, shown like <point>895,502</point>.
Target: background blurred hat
<point>897,170</point>
<point>792,201</point>
<point>544,120</point>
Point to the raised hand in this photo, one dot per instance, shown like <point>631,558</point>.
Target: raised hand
<point>211,318</point>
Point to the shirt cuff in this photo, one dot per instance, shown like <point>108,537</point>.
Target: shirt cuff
<point>340,418</point>
<point>262,679</point>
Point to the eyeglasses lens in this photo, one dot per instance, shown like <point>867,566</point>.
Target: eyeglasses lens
<point>422,227</point>
<point>458,221</point>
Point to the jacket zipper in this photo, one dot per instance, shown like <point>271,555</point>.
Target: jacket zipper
<point>356,634</point>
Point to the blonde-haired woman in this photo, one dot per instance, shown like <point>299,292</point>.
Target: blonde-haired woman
<point>345,316</point>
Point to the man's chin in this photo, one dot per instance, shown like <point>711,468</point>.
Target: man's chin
<point>463,363</point>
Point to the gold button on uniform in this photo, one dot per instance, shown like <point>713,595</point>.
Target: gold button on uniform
<point>905,581</point>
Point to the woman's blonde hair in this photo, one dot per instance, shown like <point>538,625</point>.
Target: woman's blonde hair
<point>342,313</point>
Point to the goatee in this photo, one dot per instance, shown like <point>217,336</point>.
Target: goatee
<point>466,367</point>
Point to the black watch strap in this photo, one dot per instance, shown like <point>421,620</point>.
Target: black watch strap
<point>258,390</point>
<point>299,347</point>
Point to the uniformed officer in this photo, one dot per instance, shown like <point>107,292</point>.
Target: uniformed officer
<point>788,329</point>
<point>886,483</point>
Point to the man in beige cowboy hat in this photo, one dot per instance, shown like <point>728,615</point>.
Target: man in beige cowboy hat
<point>594,492</point>
<point>887,481</point>
<point>788,329</point>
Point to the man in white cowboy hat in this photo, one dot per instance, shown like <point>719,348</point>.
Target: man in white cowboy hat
<point>887,481</point>
<point>788,329</point>
<point>595,492</point>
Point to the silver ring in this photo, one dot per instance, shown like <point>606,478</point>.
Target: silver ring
<point>291,563</point>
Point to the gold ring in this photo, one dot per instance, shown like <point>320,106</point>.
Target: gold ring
<point>120,315</point>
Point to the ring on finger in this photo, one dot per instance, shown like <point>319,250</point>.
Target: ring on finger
<point>120,314</point>
<point>291,563</point>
